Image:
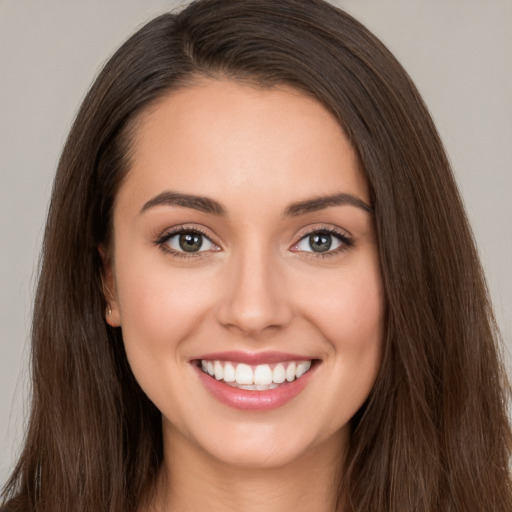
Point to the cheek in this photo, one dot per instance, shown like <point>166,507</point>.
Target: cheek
<point>161,309</point>
<point>348,308</point>
<point>157,300</point>
<point>159,306</point>
<point>350,316</point>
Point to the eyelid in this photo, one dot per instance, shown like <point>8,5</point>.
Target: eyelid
<point>167,234</point>
<point>329,228</point>
<point>345,239</point>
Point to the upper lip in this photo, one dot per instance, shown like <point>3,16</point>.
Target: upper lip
<point>253,358</point>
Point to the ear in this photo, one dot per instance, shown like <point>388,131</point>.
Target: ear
<point>112,314</point>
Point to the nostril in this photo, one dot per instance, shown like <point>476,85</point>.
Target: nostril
<point>251,318</point>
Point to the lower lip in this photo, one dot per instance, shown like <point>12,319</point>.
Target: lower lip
<point>249,400</point>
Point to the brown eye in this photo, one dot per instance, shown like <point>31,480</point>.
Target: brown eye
<point>189,242</point>
<point>320,242</point>
<point>323,242</point>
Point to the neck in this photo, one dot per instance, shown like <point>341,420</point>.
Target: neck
<point>193,480</point>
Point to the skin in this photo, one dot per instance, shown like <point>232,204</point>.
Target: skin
<point>257,287</point>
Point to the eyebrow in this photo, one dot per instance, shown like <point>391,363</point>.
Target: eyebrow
<point>319,203</point>
<point>170,198</point>
<point>207,205</point>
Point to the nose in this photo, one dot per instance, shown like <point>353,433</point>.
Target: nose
<point>254,298</point>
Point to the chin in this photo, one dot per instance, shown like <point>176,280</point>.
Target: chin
<point>267,446</point>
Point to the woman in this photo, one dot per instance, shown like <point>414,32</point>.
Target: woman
<point>259,290</point>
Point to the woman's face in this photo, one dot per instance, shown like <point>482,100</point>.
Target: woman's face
<point>243,245</point>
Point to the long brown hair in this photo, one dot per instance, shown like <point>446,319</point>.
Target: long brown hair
<point>434,433</point>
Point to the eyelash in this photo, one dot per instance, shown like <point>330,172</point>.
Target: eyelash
<point>346,242</point>
<point>163,240</point>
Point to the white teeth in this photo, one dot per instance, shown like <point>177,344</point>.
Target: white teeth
<point>253,387</point>
<point>259,377</point>
<point>243,374</point>
<point>290,372</point>
<point>219,370</point>
<point>263,387</point>
<point>302,368</point>
<point>263,375</point>
<point>279,374</point>
<point>229,373</point>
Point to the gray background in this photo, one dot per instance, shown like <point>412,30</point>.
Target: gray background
<point>459,53</point>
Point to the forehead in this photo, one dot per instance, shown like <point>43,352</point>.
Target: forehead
<point>229,140</point>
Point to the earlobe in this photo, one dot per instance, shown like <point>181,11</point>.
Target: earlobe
<point>112,316</point>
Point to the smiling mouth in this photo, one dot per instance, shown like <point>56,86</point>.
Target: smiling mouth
<point>259,377</point>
